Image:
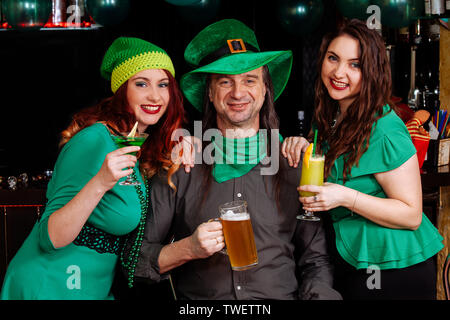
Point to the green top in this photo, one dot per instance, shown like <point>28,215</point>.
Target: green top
<point>362,242</point>
<point>38,270</point>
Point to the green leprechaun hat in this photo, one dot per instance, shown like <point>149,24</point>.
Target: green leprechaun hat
<point>230,47</point>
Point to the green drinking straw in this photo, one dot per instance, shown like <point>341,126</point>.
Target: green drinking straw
<point>314,145</point>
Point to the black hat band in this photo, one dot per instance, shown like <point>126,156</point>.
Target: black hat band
<point>232,46</point>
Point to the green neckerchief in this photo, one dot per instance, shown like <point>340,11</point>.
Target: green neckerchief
<point>234,158</point>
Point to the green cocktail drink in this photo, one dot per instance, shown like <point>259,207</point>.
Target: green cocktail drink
<point>125,141</point>
<point>130,141</point>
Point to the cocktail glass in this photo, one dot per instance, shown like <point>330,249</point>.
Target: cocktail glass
<point>312,174</point>
<point>124,141</point>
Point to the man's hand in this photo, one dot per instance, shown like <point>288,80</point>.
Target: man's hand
<point>207,240</point>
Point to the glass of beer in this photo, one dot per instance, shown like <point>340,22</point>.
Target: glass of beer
<point>312,174</point>
<point>238,233</point>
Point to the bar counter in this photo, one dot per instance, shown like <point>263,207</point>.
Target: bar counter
<point>435,176</point>
<point>436,186</point>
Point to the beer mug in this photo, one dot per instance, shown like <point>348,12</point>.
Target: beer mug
<point>238,233</point>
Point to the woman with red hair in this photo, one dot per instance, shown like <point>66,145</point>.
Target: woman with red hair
<point>73,249</point>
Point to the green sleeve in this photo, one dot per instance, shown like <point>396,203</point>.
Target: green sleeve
<point>80,159</point>
<point>389,147</point>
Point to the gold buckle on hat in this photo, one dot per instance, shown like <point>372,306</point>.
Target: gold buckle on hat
<point>236,45</point>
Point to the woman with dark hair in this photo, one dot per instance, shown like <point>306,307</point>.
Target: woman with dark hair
<point>73,249</point>
<point>384,243</point>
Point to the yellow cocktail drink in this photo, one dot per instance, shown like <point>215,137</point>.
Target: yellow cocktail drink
<point>312,173</point>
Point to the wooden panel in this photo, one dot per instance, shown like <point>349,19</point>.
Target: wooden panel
<point>444,230</point>
<point>444,69</point>
<point>3,261</point>
<point>19,222</point>
<point>18,214</point>
<point>22,197</point>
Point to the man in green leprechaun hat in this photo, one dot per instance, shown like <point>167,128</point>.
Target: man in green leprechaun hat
<point>235,84</point>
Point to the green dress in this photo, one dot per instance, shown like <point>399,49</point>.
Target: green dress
<point>85,268</point>
<point>361,242</point>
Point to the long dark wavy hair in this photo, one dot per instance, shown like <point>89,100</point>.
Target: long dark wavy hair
<point>351,136</point>
<point>115,111</point>
<point>268,119</point>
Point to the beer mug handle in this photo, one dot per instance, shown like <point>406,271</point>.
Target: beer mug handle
<point>224,250</point>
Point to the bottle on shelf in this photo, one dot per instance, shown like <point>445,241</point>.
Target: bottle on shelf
<point>435,102</point>
<point>414,93</point>
<point>428,8</point>
<point>437,8</point>
<point>301,123</point>
<point>69,14</point>
<point>434,30</point>
<point>379,28</point>
<point>431,94</point>
<point>403,35</point>
<point>431,100</point>
<point>416,37</point>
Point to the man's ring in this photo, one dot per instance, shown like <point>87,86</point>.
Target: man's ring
<point>315,198</point>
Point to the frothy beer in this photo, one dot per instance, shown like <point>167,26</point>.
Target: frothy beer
<point>240,241</point>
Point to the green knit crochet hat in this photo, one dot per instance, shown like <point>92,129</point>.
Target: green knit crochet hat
<point>128,56</point>
<point>230,47</point>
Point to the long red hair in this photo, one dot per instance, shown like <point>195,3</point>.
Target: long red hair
<point>115,111</point>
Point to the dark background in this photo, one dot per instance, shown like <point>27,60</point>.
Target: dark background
<point>46,76</point>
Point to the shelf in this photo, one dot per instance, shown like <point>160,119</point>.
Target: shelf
<point>445,16</point>
<point>93,27</point>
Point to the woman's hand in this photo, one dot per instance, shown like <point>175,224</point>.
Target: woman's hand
<point>327,197</point>
<point>401,209</point>
<point>113,165</point>
<point>184,151</point>
<point>207,240</point>
<point>190,145</point>
<point>292,149</point>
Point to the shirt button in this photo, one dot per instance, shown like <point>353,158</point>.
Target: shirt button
<point>239,195</point>
<point>238,287</point>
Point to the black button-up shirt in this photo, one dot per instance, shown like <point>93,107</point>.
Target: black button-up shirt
<point>292,257</point>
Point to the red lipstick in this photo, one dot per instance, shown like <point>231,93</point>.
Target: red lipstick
<point>336,87</point>
<point>150,109</point>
